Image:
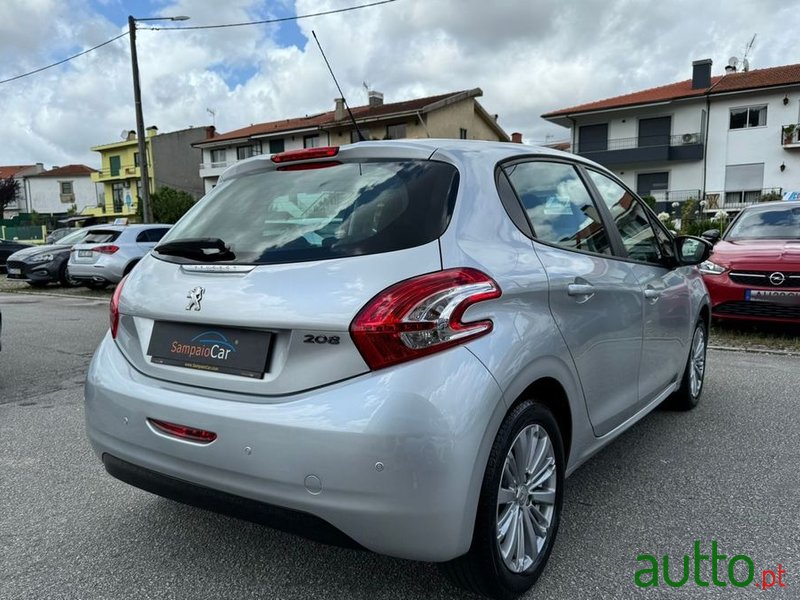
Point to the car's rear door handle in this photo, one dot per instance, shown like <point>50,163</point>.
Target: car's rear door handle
<point>580,289</point>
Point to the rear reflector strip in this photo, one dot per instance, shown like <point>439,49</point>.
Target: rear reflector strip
<point>183,432</point>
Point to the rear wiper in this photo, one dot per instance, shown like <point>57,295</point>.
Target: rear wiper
<point>202,249</point>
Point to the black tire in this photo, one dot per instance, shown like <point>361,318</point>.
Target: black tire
<point>688,395</point>
<point>96,285</point>
<point>65,279</point>
<point>483,570</point>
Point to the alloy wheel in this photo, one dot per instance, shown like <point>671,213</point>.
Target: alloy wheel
<point>697,366</point>
<point>526,498</point>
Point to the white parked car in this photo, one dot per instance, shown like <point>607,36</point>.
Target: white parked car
<point>109,253</point>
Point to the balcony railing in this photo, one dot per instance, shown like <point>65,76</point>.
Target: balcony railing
<point>736,201</point>
<point>124,172</point>
<point>681,139</point>
<point>227,163</point>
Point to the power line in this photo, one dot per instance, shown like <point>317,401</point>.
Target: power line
<point>265,21</point>
<point>61,62</point>
<point>278,20</point>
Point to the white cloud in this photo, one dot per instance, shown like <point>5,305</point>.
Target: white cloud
<point>528,57</point>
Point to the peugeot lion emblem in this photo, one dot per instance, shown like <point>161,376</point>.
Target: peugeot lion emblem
<point>777,278</point>
<point>195,295</point>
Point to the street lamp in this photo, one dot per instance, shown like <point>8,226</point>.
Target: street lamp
<point>147,215</point>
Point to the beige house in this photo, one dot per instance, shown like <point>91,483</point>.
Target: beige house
<point>454,115</point>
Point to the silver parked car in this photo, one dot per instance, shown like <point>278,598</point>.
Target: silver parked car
<point>109,252</point>
<point>401,345</point>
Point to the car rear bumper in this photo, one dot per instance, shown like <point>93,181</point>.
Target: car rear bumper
<point>102,271</point>
<point>392,460</point>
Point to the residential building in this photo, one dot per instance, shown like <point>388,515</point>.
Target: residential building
<point>61,189</point>
<point>452,115</point>
<point>18,172</point>
<point>726,140</point>
<point>172,162</point>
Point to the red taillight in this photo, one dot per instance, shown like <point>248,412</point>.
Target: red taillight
<point>181,431</point>
<point>108,249</point>
<point>421,316</point>
<point>114,308</point>
<point>305,154</point>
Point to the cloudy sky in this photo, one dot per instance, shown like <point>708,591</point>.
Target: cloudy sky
<point>528,56</point>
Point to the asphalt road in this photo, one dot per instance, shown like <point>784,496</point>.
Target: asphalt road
<point>727,472</point>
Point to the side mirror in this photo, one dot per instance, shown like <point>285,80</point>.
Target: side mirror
<point>712,235</point>
<point>692,250</point>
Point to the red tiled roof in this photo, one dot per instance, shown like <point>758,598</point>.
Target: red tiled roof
<point>745,80</point>
<point>67,171</point>
<point>11,170</point>
<point>328,118</point>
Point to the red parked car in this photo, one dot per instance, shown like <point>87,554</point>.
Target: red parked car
<point>754,270</point>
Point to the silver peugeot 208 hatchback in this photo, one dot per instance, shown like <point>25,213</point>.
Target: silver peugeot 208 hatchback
<point>404,346</point>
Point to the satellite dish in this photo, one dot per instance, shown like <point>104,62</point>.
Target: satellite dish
<point>733,61</point>
<point>123,134</point>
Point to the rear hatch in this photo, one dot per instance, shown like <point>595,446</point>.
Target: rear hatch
<point>254,290</point>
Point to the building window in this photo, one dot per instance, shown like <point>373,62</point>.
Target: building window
<point>135,159</point>
<point>243,152</point>
<point>117,196</point>
<point>276,146</point>
<point>218,156</point>
<point>396,132</point>
<point>744,183</point>
<point>311,141</point>
<point>113,165</point>
<point>66,187</point>
<point>462,133</point>
<point>749,116</point>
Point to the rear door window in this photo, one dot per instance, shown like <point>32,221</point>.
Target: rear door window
<point>559,206</point>
<point>347,209</point>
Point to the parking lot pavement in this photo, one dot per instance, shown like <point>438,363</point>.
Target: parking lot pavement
<point>727,472</point>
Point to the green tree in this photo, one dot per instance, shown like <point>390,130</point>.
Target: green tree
<point>8,192</point>
<point>169,205</point>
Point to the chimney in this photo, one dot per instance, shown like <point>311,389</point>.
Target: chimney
<point>375,99</point>
<point>701,74</point>
<point>516,137</point>
<point>151,131</point>
<point>131,135</point>
<point>211,131</point>
<point>338,112</point>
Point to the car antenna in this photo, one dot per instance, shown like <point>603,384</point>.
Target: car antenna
<point>361,137</point>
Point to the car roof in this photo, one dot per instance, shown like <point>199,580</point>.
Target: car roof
<point>461,151</point>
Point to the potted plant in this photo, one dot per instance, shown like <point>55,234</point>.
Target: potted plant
<point>788,133</point>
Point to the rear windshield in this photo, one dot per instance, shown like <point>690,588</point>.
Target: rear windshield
<point>100,236</point>
<point>349,209</point>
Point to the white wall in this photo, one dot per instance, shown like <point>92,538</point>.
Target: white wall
<point>45,193</point>
<point>756,144</point>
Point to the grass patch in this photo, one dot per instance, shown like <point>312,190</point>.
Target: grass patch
<point>756,336</point>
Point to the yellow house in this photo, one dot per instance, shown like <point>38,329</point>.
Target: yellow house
<point>120,176</point>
